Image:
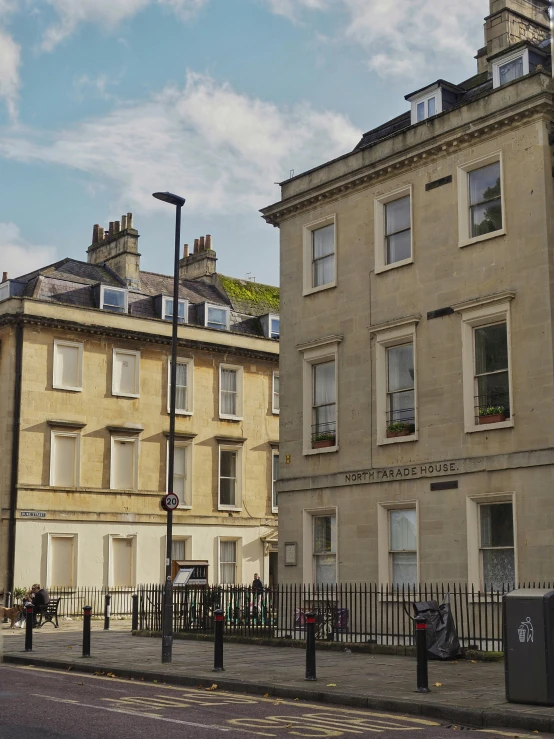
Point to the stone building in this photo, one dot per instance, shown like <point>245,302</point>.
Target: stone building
<point>84,372</point>
<point>417,441</point>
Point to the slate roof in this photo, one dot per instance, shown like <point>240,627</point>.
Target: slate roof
<point>71,282</point>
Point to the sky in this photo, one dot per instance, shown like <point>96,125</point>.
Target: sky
<point>103,102</point>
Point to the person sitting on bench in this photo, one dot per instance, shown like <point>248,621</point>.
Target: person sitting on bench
<point>40,600</point>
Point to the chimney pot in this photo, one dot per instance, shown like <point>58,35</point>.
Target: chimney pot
<point>110,229</point>
<point>4,276</point>
<point>195,250</point>
<point>117,227</point>
<point>201,247</point>
<point>129,220</point>
<point>123,223</point>
<point>208,242</point>
<point>95,233</point>
<point>186,250</point>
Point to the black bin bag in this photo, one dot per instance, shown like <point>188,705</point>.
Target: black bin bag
<point>442,637</point>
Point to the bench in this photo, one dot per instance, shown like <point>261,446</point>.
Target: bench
<point>48,614</point>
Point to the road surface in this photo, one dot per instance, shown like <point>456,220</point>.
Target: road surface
<point>62,705</point>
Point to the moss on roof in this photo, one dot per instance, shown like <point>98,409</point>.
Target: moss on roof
<point>251,298</point>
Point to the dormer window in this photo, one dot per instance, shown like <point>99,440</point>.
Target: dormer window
<point>218,317</point>
<point>426,103</point>
<point>114,299</point>
<point>270,325</point>
<point>509,67</point>
<point>167,309</point>
<point>10,289</point>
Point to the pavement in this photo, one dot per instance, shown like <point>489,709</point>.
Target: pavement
<point>464,692</point>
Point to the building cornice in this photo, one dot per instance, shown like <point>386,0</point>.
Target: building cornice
<point>315,343</point>
<point>61,423</point>
<point>398,323</point>
<point>473,303</point>
<point>25,319</point>
<point>413,157</point>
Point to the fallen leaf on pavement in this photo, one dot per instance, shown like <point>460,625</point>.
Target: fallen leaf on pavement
<point>266,695</point>
<point>438,685</point>
<point>297,699</point>
<point>473,661</point>
<point>214,687</point>
<point>80,683</point>
<point>331,685</point>
<point>70,668</point>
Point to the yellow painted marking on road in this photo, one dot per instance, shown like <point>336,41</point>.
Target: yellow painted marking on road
<point>517,734</point>
<point>320,725</point>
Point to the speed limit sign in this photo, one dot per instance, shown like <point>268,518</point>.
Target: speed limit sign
<point>170,502</point>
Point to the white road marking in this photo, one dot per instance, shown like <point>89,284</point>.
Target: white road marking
<point>130,713</point>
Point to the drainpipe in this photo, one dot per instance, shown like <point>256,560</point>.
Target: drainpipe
<point>15,455</point>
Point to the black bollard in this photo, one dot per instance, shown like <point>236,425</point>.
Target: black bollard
<point>29,617</point>
<point>134,613</point>
<point>421,651</point>
<point>218,642</point>
<point>87,615</point>
<point>310,647</point>
<point>107,611</point>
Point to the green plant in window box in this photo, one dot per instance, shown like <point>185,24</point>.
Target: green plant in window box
<point>492,414</point>
<point>400,428</point>
<point>324,439</point>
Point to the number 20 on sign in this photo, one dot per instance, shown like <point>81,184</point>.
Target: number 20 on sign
<point>170,502</point>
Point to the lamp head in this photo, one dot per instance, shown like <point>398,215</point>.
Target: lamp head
<point>169,197</point>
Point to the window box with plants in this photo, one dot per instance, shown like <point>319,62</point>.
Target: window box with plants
<point>400,428</point>
<point>492,414</point>
<point>322,440</point>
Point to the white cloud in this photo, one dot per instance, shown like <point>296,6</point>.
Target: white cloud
<point>402,38</point>
<point>105,13</point>
<point>220,149</point>
<point>18,256</point>
<point>10,60</point>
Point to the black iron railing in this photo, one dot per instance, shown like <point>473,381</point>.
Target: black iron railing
<point>324,432</point>
<point>349,613</point>
<point>495,404</point>
<point>72,600</point>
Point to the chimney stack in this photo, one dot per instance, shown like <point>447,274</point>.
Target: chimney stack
<point>201,264</point>
<point>4,276</point>
<point>118,249</point>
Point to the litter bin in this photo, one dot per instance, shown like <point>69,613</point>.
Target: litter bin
<point>529,646</point>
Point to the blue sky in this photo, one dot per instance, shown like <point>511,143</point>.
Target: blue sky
<point>102,102</point>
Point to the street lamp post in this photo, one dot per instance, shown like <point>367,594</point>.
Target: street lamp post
<point>167,616</point>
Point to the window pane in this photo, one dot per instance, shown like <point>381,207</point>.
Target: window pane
<point>178,549</point>
<point>67,366</point>
<point>324,535</point>
<point>125,373</point>
<point>229,392</point>
<point>181,387</point>
<point>431,106</point>
<point>497,525</point>
<point>227,560</point>
<point>400,367</point>
<point>498,568</point>
<point>275,326</point>
<point>403,533</point>
<point>326,569</point>
<point>180,458</point>
<point>486,218</point>
<point>420,111</point>
<point>397,215</point>
<point>511,71</point>
<point>484,184</point>
<point>404,568</point>
<point>493,390</point>
<point>323,240</point>
<point>401,406</point>
<point>169,310</point>
<point>324,270</point>
<point>324,383</point>
<point>399,247</point>
<point>217,318</point>
<point>64,461</point>
<point>275,477</point>
<point>491,348</point>
<point>228,464</point>
<point>276,392</point>
<point>114,300</point>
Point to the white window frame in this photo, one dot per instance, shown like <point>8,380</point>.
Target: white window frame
<point>181,301</point>
<point>380,228</point>
<point>187,446</point>
<point>474,558</point>
<point>324,350</point>
<point>270,333</point>
<point>424,97</point>
<point>274,508</point>
<point>483,313</point>
<point>74,571</point>
<point>464,229</point>
<point>384,558</point>
<point>133,561</point>
<point>497,63</point>
<point>238,556</point>
<point>308,229</point>
<point>240,392</point>
<point>115,391</point>
<point>274,408</point>
<point>56,382</point>
<point>225,447</point>
<point>123,290</point>
<point>386,338</point>
<point>77,460</point>
<point>217,307</point>
<point>190,375</point>
<point>308,557</point>
<point>129,440</point>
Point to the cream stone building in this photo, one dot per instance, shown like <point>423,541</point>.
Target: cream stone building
<point>84,371</point>
<point>417,434</point>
